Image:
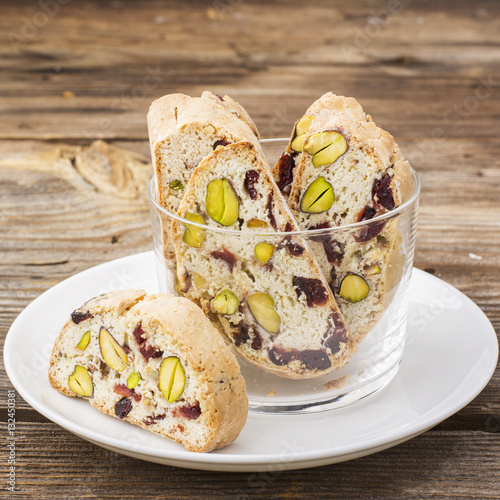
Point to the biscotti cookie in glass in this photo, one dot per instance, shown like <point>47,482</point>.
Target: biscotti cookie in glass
<point>374,273</point>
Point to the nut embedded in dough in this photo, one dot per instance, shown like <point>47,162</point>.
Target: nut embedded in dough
<point>263,252</point>
<point>262,308</point>
<point>326,147</point>
<point>84,341</point>
<point>171,379</point>
<point>80,382</point>
<point>319,197</point>
<point>194,236</point>
<point>221,202</point>
<point>133,380</point>
<point>354,288</point>
<point>225,302</point>
<point>112,353</point>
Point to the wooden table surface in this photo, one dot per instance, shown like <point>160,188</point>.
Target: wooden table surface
<point>74,72</point>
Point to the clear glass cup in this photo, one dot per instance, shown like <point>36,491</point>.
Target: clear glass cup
<point>381,334</point>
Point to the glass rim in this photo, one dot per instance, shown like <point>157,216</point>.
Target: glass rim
<point>308,232</point>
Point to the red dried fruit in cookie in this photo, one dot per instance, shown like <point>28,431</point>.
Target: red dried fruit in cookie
<point>145,349</point>
<point>79,316</point>
<point>123,407</point>
<point>280,356</point>
<point>312,288</point>
<point>382,193</point>
<point>189,411</point>
<point>251,178</point>
<point>244,333</point>
<point>370,230</point>
<point>256,341</point>
<point>336,334</point>
<point>285,167</point>
<point>226,256</point>
<point>154,418</point>
<point>220,142</point>
<point>294,248</point>
<point>334,251</point>
<point>310,358</point>
<point>315,359</point>
<point>123,390</point>
<point>269,206</point>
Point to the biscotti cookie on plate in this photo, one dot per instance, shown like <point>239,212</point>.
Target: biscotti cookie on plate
<point>266,293</point>
<point>155,361</point>
<point>351,170</point>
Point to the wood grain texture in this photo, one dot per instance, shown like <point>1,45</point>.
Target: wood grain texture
<point>427,71</point>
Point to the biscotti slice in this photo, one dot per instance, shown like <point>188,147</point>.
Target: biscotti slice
<point>234,107</point>
<point>285,168</point>
<point>266,293</point>
<point>156,362</point>
<point>182,131</point>
<point>345,153</point>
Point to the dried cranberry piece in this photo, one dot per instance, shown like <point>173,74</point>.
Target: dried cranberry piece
<point>334,251</point>
<point>154,418</point>
<point>245,333</point>
<point>220,142</point>
<point>315,359</point>
<point>79,316</point>
<point>382,193</point>
<point>370,230</point>
<point>145,349</point>
<point>285,167</point>
<point>226,256</point>
<point>335,334</point>
<point>251,178</point>
<point>312,359</point>
<point>242,335</point>
<point>123,390</point>
<point>312,288</point>
<point>123,407</point>
<point>293,247</point>
<point>321,237</point>
<point>269,206</point>
<point>151,352</point>
<point>256,341</point>
<point>189,411</point>
<point>280,356</point>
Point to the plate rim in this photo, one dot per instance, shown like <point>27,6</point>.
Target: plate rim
<point>230,459</point>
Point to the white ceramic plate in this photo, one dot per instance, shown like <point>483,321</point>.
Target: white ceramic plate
<point>442,370</point>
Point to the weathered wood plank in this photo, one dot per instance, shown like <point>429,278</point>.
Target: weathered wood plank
<point>434,465</point>
<point>392,63</point>
<point>428,73</point>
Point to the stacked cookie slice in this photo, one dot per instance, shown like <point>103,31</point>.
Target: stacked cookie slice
<point>265,291</point>
<point>182,131</point>
<point>342,168</point>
